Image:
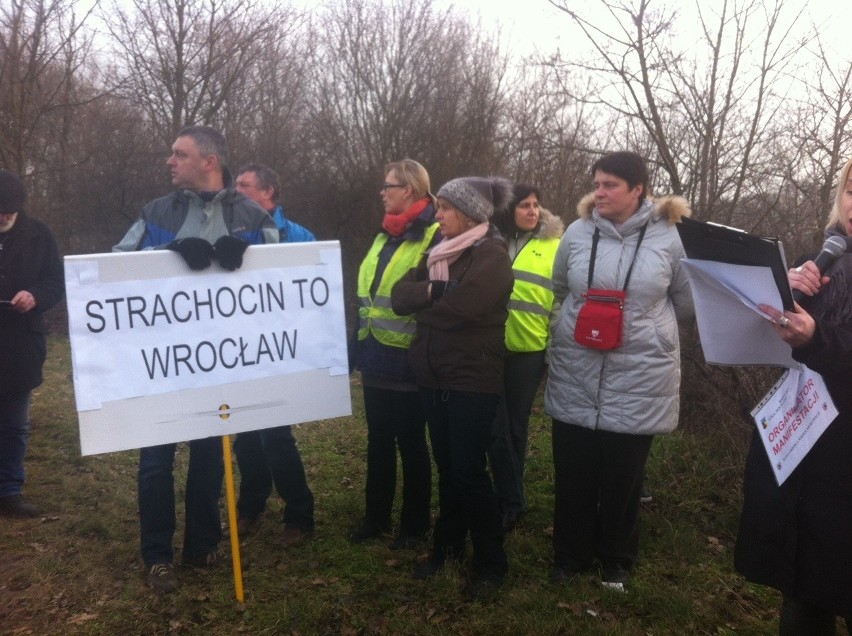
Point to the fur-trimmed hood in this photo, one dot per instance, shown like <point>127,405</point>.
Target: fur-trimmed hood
<point>550,225</point>
<point>674,208</point>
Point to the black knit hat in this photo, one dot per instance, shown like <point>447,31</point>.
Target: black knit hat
<point>12,193</point>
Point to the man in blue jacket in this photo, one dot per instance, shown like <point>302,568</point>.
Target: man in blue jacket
<point>204,219</point>
<point>261,184</point>
<point>270,455</point>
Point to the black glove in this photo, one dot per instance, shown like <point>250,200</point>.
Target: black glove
<point>441,288</point>
<point>229,252</point>
<point>195,251</point>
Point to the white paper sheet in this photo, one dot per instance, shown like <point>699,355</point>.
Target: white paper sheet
<point>732,329</point>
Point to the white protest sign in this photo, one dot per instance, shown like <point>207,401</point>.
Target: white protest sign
<point>162,354</point>
<point>791,417</point>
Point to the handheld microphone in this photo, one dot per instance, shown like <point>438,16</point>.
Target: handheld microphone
<point>833,248</point>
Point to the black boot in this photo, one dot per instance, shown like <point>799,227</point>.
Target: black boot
<point>15,506</point>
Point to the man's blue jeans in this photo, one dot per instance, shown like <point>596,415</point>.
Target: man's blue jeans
<point>14,434</point>
<point>270,456</point>
<point>157,500</point>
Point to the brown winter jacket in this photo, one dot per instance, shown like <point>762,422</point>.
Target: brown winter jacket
<point>459,339</point>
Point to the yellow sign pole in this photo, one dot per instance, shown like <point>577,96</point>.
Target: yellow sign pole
<point>232,518</point>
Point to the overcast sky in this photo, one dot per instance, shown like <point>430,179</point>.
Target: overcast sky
<point>530,25</point>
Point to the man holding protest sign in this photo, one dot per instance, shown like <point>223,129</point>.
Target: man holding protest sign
<point>270,455</point>
<point>203,220</point>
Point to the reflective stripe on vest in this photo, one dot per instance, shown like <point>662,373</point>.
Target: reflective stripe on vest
<point>528,328</point>
<point>375,315</point>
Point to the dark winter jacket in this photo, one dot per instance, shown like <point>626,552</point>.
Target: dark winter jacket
<point>184,214</point>
<point>29,260</point>
<point>797,538</point>
<point>459,340</point>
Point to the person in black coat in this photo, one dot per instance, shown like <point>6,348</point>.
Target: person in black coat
<point>797,537</point>
<point>31,282</point>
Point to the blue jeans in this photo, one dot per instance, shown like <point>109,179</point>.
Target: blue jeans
<point>271,456</point>
<point>460,425</point>
<point>14,434</point>
<point>157,500</point>
<point>522,374</point>
<point>395,419</point>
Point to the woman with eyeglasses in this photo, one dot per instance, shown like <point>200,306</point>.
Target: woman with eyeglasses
<point>393,410</point>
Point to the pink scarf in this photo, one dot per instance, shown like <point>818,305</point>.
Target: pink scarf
<point>448,251</point>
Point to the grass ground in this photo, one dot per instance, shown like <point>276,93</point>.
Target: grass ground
<point>78,571</point>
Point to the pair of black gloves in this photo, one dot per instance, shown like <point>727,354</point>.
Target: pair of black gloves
<point>198,253</point>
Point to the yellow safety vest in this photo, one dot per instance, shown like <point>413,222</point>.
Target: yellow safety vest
<point>527,328</point>
<point>375,314</point>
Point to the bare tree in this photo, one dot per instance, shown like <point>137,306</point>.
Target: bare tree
<point>391,80</point>
<point>821,143</point>
<point>708,110</point>
<point>42,47</point>
<point>267,112</point>
<point>545,138</point>
<point>181,58</point>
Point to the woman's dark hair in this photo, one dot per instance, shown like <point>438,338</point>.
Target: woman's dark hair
<point>626,165</point>
<point>504,218</point>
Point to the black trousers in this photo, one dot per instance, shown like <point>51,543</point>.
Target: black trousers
<point>598,479</point>
<point>522,374</point>
<point>803,619</point>
<point>460,425</point>
<point>395,420</point>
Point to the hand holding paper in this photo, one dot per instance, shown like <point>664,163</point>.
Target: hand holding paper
<point>796,328</point>
<point>733,328</point>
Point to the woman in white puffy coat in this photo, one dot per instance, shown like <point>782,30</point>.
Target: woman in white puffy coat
<point>607,405</point>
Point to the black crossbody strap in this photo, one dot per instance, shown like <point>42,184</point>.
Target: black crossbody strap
<point>596,238</point>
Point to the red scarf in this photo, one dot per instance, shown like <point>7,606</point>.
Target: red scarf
<point>396,224</point>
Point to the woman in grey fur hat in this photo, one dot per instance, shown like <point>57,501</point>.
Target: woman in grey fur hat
<point>459,295</point>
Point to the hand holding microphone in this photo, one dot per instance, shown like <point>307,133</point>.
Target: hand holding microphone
<point>808,277</point>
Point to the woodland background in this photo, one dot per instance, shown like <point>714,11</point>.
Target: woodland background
<point>748,120</point>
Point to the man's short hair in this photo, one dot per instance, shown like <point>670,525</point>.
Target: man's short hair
<point>209,141</point>
<point>266,178</point>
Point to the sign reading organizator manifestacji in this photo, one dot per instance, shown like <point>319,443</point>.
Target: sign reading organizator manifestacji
<point>163,354</point>
<point>791,417</point>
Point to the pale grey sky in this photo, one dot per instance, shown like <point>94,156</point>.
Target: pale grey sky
<point>530,26</point>
<point>535,24</point>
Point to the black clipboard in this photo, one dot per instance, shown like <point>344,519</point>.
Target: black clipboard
<point>712,242</point>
